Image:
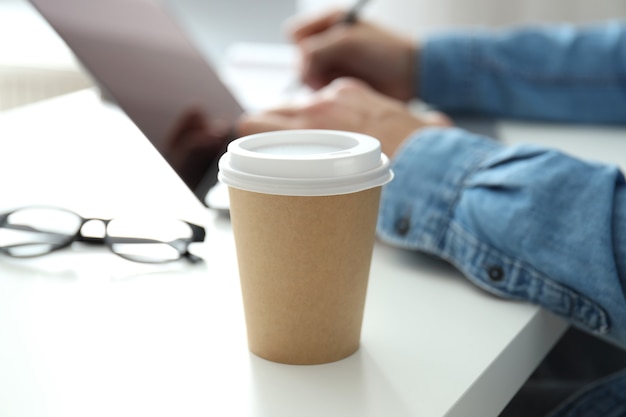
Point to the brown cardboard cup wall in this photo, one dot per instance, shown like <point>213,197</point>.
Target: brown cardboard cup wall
<point>304,265</point>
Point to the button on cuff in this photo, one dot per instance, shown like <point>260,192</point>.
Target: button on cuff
<point>495,273</point>
<point>403,225</point>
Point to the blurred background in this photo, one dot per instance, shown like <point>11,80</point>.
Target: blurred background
<point>420,17</point>
<point>35,64</point>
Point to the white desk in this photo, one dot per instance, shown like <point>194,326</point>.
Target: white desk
<point>83,333</point>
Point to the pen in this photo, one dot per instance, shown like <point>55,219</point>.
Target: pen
<point>351,17</point>
<point>353,14</point>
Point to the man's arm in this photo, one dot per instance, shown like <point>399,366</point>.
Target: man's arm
<point>561,73</point>
<point>522,222</point>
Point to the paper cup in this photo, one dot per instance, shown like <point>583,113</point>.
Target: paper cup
<point>304,205</point>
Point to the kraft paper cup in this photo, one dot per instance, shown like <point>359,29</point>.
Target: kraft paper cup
<point>303,206</point>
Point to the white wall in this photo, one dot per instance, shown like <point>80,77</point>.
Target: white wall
<point>418,17</point>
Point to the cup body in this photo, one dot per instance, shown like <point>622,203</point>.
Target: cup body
<point>304,260</point>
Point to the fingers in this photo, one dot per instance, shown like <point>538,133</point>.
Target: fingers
<point>347,89</point>
<point>192,119</point>
<point>266,122</point>
<point>194,128</point>
<point>323,45</point>
<point>435,118</point>
<point>385,60</point>
<point>323,110</point>
<point>327,56</point>
<point>300,28</point>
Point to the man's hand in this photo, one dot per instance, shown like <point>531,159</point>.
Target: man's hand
<point>331,49</point>
<point>193,144</point>
<point>347,104</point>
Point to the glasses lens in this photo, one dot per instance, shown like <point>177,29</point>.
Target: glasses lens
<point>36,231</point>
<point>149,240</point>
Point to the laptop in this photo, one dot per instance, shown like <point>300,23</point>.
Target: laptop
<point>146,63</point>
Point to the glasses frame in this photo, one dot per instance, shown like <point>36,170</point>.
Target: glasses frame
<point>181,245</point>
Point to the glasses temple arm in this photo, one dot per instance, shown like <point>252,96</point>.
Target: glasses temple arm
<point>198,232</point>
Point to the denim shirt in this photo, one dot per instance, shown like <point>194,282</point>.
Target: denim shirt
<point>523,222</point>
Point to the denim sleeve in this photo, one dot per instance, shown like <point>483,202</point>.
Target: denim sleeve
<point>522,222</point>
<point>560,73</point>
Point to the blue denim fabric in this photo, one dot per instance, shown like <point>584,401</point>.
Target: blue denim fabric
<point>522,222</point>
<point>557,73</point>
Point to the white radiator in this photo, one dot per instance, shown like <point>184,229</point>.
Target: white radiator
<point>23,85</point>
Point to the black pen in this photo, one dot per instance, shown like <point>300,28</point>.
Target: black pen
<point>352,16</point>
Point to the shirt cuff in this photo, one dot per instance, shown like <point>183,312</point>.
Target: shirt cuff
<point>420,223</point>
<point>503,217</point>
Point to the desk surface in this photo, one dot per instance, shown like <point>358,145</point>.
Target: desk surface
<point>83,333</point>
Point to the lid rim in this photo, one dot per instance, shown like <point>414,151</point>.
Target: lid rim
<point>358,164</point>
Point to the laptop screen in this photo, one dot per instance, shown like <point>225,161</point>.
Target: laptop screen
<point>145,62</point>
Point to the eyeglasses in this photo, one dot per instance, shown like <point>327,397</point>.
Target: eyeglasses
<point>38,230</point>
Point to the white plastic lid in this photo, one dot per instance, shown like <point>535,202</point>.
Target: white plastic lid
<point>305,163</point>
